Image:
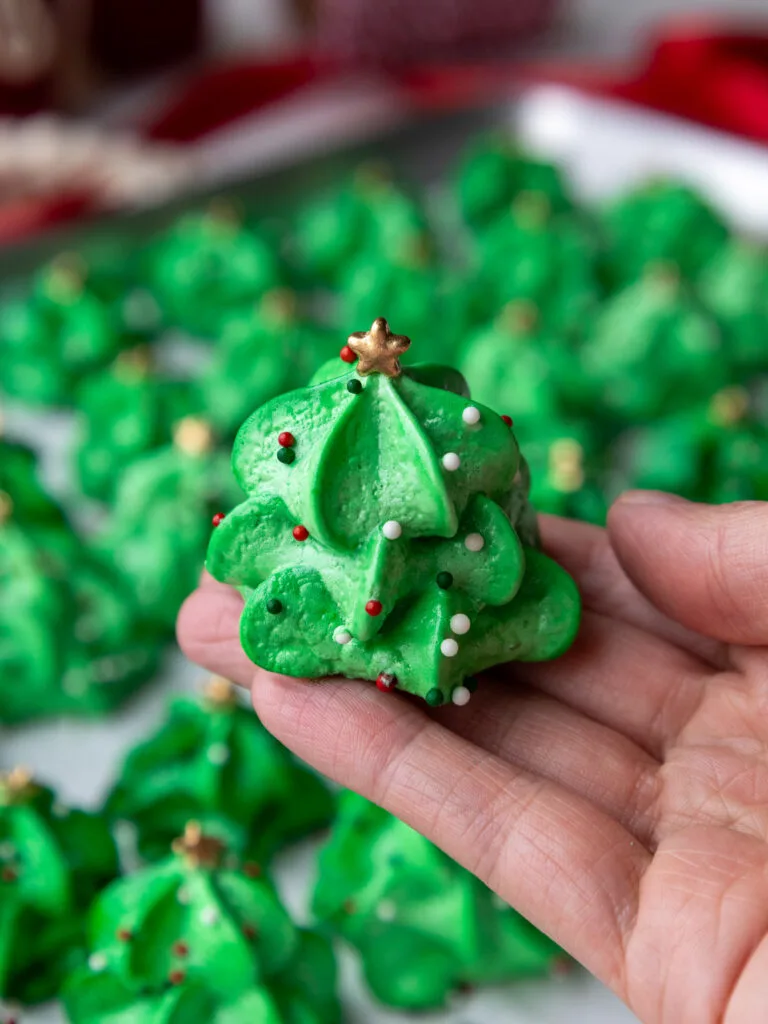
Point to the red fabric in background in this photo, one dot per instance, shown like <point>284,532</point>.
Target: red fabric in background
<point>720,80</point>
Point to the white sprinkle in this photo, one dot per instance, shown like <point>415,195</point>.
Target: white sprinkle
<point>474,542</point>
<point>97,962</point>
<point>218,753</point>
<point>183,895</point>
<point>460,624</point>
<point>451,461</point>
<point>392,529</point>
<point>449,648</point>
<point>461,696</point>
<point>342,636</point>
<point>471,415</point>
<point>386,910</point>
<point>7,850</point>
<point>209,916</point>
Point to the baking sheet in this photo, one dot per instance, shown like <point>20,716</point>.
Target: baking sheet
<point>606,147</point>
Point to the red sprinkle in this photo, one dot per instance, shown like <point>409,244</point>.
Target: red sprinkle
<point>218,519</point>
<point>347,354</point>
<point>8,875</point>
<point>252,869</point>
<point>249,931</point>
<point>300,532</point>
<point>180,949</point>
<point>176,977</point>
<point>386,682</point>
<point>507,420</point>
<point>124,934</point>
<point>374,607</point>
<point>286,439</point>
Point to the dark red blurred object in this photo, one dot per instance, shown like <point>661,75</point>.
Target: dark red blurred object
<point>130,37</point>
<point>395,31</point>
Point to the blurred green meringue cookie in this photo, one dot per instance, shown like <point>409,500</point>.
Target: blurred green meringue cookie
<point>53,861</point>
<point>70,637</point>
<point>653,349</point>
<point>123,413</point>
<point>713,452</point>
<point>529,255</point>
<point>200,939</point>
<point>661,221</point>
<point>495,173</point>
<point>55,334</point>
<point>160,523</point>
<point>423,926</point>
<point>208,264</point>
<point>262,351</point>
<point>734,288</point>
<point>212,760</point>
<point>367,218</point>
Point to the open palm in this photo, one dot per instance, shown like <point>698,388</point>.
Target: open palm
<point>617,797</point>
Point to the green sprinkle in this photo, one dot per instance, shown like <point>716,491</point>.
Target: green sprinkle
<point>354,386</point>
<point>274,607</point>
<point>435,698</point>
<point>444,580</point>
<point>286,455</point>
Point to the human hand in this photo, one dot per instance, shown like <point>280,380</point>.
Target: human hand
<point>617,797</point>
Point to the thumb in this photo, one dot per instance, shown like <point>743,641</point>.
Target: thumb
<point>705,566</point>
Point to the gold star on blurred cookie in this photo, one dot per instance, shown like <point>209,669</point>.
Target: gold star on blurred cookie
<point>16,787</point>
<point>378,350</point>
<point>198,849</point>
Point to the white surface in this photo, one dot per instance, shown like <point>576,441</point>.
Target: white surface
<point>607,147</point>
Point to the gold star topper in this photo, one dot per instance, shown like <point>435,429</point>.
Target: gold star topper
<point>378,350</point>
<point>193,436</point>
<point>16,787</point>
<point>728,406</point>
<point>220,692</point>
<point>6,507</point>
<point>198,849</point>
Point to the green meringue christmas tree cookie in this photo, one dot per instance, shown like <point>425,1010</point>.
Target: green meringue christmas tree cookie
<point>53,861</point>
<point>528,255</point>
<point>70,637</point>
<point>515,365</point>
<point>423,926</point>
<point>198,939</point>
<point>34,618</point>
<point>565,465</point>
<point>376,540</point>
<point>260,353</point>
<point>662,221</point>
<point>495,173</point>
<point>124,413</point>
<point>209,264</point>
<point>653,349</point>
<point>733,286</point>
<point>368,218</point>
<point>51,337</point>
<point>160,525</point>
<point>213,761</point>
<point>713,452</point>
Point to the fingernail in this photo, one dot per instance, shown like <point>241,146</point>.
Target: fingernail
<point>650,498</point>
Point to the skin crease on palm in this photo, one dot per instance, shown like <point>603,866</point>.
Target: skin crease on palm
<point>618,797</point>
